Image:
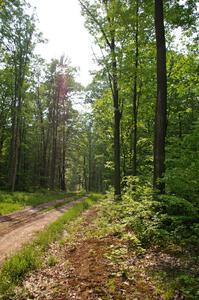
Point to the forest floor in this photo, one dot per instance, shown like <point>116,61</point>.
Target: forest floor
<point>97,258</point>
<point>19,228</point>
<point>93,262</point>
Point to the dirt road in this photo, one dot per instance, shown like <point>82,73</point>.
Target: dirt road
<point>19,228</point>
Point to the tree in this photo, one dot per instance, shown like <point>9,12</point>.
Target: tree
<point>108,33</point>
<point>17,36</point>
<point>135,97</point>
<point>161,102</point>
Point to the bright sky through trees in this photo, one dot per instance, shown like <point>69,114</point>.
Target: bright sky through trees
<point>62,24</point>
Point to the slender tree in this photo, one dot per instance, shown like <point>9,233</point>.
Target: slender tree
<point>135,104</point>
<point>108,33</point>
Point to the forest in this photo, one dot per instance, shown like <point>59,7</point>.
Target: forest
<point>127,167</point>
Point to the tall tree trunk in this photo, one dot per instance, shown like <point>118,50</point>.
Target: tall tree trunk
<point>44,142</point>
<point>46,149</point>
<point>90,171</point>
<point>116,106</point>
<point>1,146</point>
<point>53,160</point>
<point>85,175</point>
<point>15,143</point>
<point>135,106</point>
<point>63,160</point>
<point>21,156</point>
<point>15,130</point>
<point>115,93</point>
<point>161,102</point>
<point>123,156</point>
<point>180,125</point>
<point>117,119</point>
<point>54,143</point>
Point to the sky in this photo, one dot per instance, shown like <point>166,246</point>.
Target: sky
<point>62,25</point>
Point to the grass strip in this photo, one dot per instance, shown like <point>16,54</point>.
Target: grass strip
<point>30,257</point>
<point>16,201</point>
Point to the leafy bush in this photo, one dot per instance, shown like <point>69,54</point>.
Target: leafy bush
<point>155,220</point>
<point>188,285</point>
<point>182,173</point>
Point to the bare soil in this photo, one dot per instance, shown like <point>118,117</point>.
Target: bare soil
<point>83,271</point>
<point>88,265</point>
<point>20,227</point>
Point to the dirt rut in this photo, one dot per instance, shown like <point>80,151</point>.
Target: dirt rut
<point>19,228</point>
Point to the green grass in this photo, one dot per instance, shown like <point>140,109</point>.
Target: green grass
<point>30,257</point>
<point>11,202</point>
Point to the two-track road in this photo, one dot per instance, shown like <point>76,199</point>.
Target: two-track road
<point>19,228</point>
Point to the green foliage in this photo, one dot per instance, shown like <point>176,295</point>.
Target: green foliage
<point>145,221</point>
<point>182,176</point>
<point>184,282</point>
<point>181,14</point>
<point>188,285</point>
<point>135,212</point>
<point>78,147</point>
<point>161,220</point>
<point>179,218</point>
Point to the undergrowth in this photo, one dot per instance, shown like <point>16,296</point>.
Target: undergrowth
<point>168,223</point>
<point>30,257</point>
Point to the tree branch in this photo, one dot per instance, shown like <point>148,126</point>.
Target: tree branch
<point>97,22</point>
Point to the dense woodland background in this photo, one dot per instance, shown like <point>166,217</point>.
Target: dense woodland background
<point>143,126</point>
<point>139,139</point>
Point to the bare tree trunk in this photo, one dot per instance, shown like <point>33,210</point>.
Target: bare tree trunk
<point>135,105</point>
<point>15,143</point>
<point>117,118</point>
<point>90,171</point>
<point>85,175</point>
<point>16,118</point>
<point>13,157</point>
<point>63,160</point>
<point>1,146</point>
<point>123,155</point>
<point>180,125</point>
<point>161,102</point>
<point>44,142</point>
<point>54,144</point>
